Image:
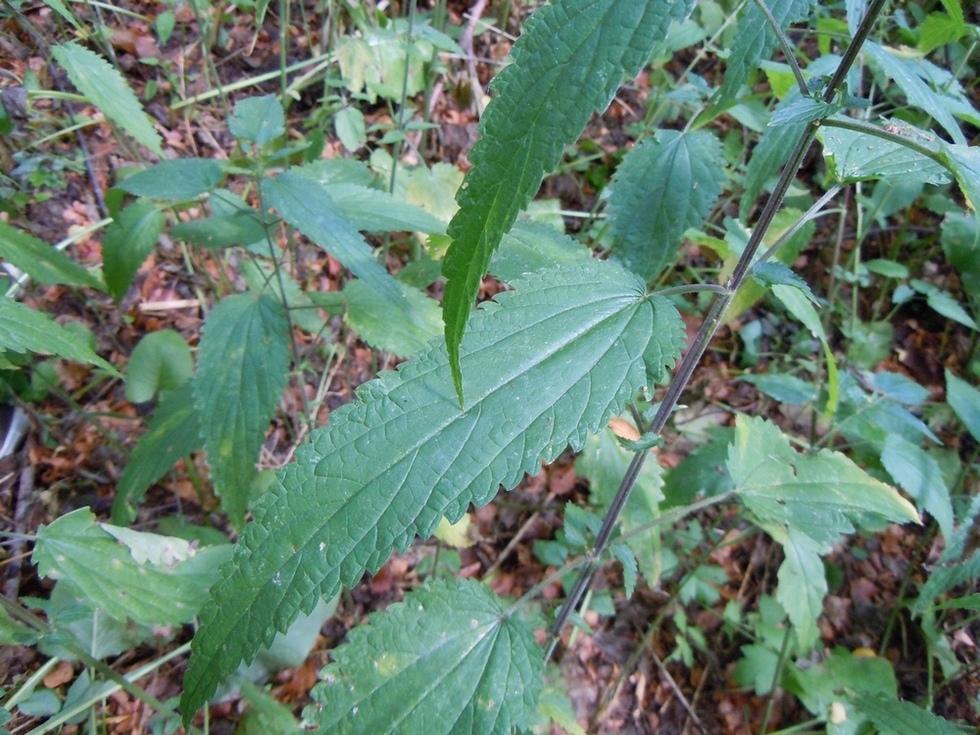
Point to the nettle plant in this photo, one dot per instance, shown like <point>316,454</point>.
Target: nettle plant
<point>576,342</point>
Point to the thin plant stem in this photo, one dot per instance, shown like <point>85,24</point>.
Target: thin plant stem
<point>708,328</point>
<point>784,44</point>
<point>776,677</point>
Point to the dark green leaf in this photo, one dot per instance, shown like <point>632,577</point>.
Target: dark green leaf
<point>23,329</point>
<point>964,162</point>
<point>534,246</point>
<point>127,242</point>
<point>549,363</point>
<point>803,110</point>
<point>173,433</point>
<point>240,228</point>
<point>450,659</point>
<point>41,261</point>
<point>258,119</point>
<point>661,353</point>
<point>755,41</point>
<point>107,89</point>
<point>373,210</point>
<point>664,186</point>
<point>242,364</point>
<point>570,61</point>
<point>177,180</point>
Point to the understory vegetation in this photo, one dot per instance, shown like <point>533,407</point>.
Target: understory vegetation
<point>585,366</point>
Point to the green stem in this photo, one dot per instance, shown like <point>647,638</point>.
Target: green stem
<point>776,677</point>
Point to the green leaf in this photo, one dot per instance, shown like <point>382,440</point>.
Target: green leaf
<point>306,205</point>
<point>664,186</point>
<point>550,362</point>
<point>802,584</point>
<point>821,495</point>
<point>348,123</point>
<point>222,231</point>
<point>964,399</point>
<point>173,433</point>
<point>913,79</point>
<point>774,273</point>
<point>106,88</point>
<point>373,210</point>
<point>570,61</point>
<point>918,474</point>
<point>177,180</point>
<point>400,328</point>
<point>161,362</point>
<point>42,262</point>
<point>22,329</point>
<point>854,156</point>
<point>964,162</point>
<point>803,110</point>
<point>258,119</point>
<point>127,243</point>
<point>242,365</point>
<point>534,246</point>
<point>450,659</point>
<point>623,553</point>
<point>944,303</point>
<point>755,41</point>
<point>114,572</point>
<point>661,353</point>
<point>894,717</point>
<point>938,29</point>
<point>783,388</point>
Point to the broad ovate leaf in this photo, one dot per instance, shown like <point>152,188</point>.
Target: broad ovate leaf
<point>402,328</point>
<point>142,577</point>
<point>41,261</point>
<point>241,372</point>
<point>569,62</point>
<point>259,120</point>
<point>107,89</point>
<point>450,659</point>
<point>822,495</point>
<point>664,186</point>
<point>549,363</point>
<point>23,329</point>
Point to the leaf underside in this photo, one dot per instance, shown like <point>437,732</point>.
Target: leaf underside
<point>569,62</point>
<point>548,364</point>
<point>447,660</point>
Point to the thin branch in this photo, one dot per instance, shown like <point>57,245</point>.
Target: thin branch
<point>785,46</point>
